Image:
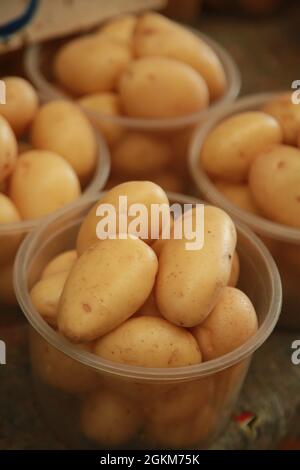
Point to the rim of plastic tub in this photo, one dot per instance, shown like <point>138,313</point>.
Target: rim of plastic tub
<point>31,61</point>
<point>209,191</point>
<point>26,253</point>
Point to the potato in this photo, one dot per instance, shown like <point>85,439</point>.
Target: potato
<point>62,262</point>
<point>139,155</point>
<point>109,419</point>
<point>9,241</point>
<point>106,104</point>
<point>109,282</point>
<point>120,28</point>
<point>239,194</point>
<point>287,114</point>
<point>58,370</point>
<point>181,401</point>
<point>46,293</point>
<point>149,342</point>
<point>275,184</point>
<point>231,323</point>
<point>8,211</point>
<point>61,127</point>
<point>142,192</point>
<point>189,282</point>
<point>8,149</point>
<point>91,64</point>
<point>167,233</point>
<point>155,35</point>
<point>232,145</point>
<point>159,87</point>
<point>7,292</point>
<point>21,104</point>
<point>235,270</point>
<point>41,183</point>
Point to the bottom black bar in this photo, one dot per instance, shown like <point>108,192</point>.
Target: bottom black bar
<point>138,458</point>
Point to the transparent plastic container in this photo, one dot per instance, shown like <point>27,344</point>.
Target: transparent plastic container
<point>282,241</point>
<point>12,234</point>
<point>79,393</point>
<point>172,134</point>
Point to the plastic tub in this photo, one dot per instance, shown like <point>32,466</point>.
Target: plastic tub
<point>283,241</point>
<point>185,407</point>
<point>12,234</point>
<point>174,132</point>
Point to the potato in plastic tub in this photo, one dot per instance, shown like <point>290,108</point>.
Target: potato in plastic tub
<point>124,354</point>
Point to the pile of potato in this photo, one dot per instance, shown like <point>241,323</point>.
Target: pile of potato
<point>47,156</point>
<point>141,67</point>
<point>254,159</point>
<point>147,303</point>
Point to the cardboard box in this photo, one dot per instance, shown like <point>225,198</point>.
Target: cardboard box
<point>23,22</point>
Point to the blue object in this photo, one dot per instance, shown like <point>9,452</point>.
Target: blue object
<point>19,22</point>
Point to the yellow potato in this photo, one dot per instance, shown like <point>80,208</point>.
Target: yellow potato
<point>9,242</point>
<point>41,183</point>
<point>149,341</point>
<point>230,324</point>
<point>21,104</point>
<point>106,104</point>
<point>177,402</point>
<point>109,282</point>
<point>275,184</point>
<point>58,370</point>
<point>8,149</point>
<point>155,35</point>
<point>120,28</point>
<point>142,192</point>
<point>62,262</point>
<point>91,64</point>
<point>235,270</point>
<point>8,211</point>
<point>287,114</point>
<point>46,293</point>
<point>7,293</point>
<point>61,127</point>
<point>159,87</point>
<point>239,194</point>
<point>232,145</point>
<point>189,282</point>
<point>109,419</point>
<point>139,155</point>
